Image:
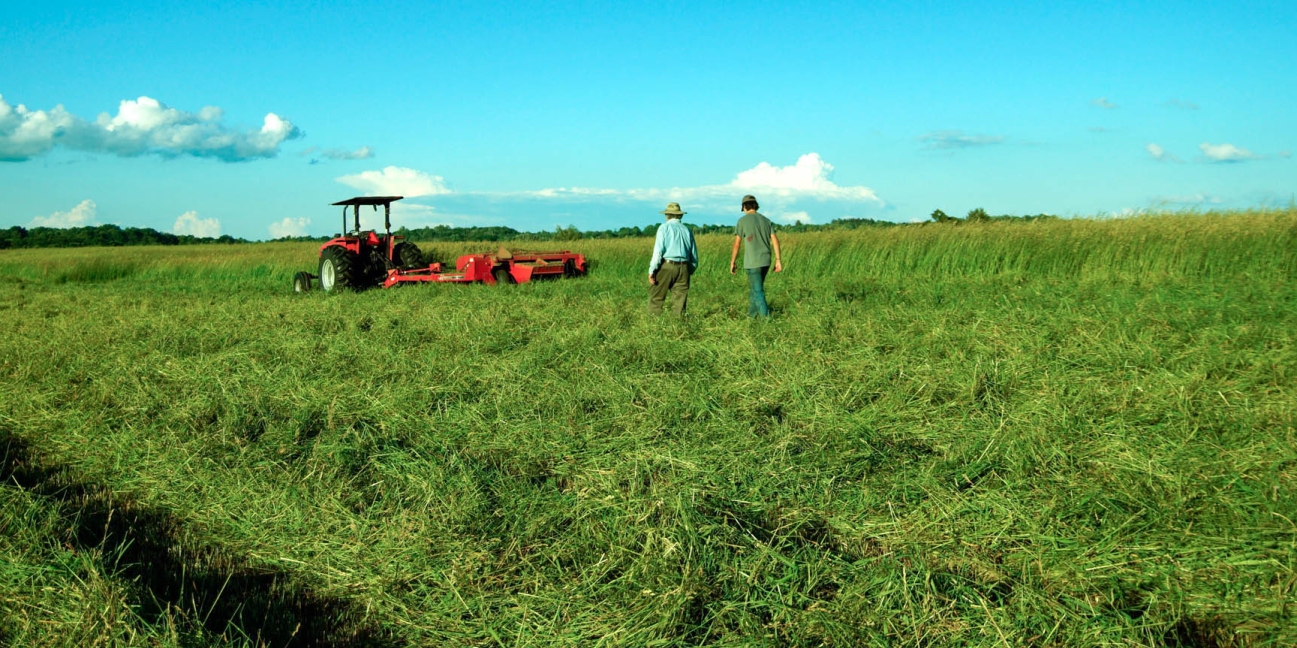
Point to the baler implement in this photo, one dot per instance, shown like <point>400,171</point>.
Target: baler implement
<point>365,259</point>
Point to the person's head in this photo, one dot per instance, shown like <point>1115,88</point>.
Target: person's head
<point>750,203</point>
<point>673,211</point>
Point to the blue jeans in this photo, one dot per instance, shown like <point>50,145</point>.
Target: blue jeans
<point>757,306</point>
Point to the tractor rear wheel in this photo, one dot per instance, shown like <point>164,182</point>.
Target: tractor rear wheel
<point>302,282</point>
<point>408,256</point>
<point>339,270</point>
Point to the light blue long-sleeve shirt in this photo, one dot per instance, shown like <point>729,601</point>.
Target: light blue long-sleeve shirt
<point>674,243</point>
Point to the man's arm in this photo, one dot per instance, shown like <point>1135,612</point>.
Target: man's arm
<point>774,243</point>
<point>693,253</point>
<point>734,254</point>
<point>657,258</point>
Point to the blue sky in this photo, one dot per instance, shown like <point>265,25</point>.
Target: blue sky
<point>248,119</point>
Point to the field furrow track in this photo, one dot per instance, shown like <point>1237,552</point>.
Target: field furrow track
<point>172,578</point>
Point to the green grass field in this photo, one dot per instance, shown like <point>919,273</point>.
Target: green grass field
<point>1067,433</point>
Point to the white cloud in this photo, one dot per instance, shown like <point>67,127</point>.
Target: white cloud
<point>396,181</point>
<point>189,223</point>
<point>810,177</point>
<point>410,211</point>
<point>362,153</point>
<point>1189,199</point>
<point>954,139</point>
<point>141,126</point>
<point>792,218</point>
<point>1159,153</point>
<point>805,186</point>
<point>1102,102</point>
<point>289,227</point>
<point>1125,212</point>
<point>404,214</point>
<point>1225,152</point>
<point>80,216</point>
<point>810,173</point>
<point>568,192</point>
<point>316,154</point>
<point>26,133</point>
<point>1182,104</point>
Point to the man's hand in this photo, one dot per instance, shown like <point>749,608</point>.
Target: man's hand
<point>653,280</point>
<point>779,265</point>
<point>733,268</point>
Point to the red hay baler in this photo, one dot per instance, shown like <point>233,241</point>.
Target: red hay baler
<point>365,259</point>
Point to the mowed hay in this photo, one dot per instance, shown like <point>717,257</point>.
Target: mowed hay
<point>1056,433</point>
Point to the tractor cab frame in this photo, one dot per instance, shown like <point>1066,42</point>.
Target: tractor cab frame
<point>360,241</point>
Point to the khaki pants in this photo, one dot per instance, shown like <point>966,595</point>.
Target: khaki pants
<point>672,278</point>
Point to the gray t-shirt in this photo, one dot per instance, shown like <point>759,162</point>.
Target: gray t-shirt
<point>755,231</point>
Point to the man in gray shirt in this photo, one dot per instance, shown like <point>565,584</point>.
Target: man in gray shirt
<point>757,236</point>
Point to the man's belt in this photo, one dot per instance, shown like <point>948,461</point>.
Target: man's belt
<point>674,261</point>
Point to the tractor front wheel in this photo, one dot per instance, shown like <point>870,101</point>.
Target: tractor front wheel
<point>302,282</point>
<point>339,270</point>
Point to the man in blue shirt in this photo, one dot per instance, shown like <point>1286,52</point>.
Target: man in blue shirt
<point>675,257</point>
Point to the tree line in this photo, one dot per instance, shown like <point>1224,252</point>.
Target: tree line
<point>99,235</point>
<point>979,215</point>
<point>113,235</point>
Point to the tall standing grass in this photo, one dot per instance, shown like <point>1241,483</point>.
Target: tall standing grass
<point>1257,244</point>
<point>1074,433</point>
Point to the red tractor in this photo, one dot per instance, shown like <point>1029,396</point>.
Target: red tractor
<point>363,259</point>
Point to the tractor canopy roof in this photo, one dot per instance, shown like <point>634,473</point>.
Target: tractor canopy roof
<point>370,200</point>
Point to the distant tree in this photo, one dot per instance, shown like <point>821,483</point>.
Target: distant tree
<point>569,233</point>
<point>978,215</point>
<point>939,216</point>
<point>854,223</point>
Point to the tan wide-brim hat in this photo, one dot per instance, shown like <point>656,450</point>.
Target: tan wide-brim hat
<point>673,209</point>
